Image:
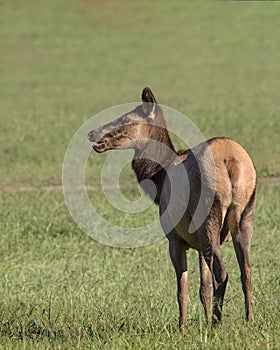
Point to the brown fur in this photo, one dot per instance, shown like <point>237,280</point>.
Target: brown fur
<point>232,184</point>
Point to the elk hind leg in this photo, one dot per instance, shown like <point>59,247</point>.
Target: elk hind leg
<point>209,237</point>
<point>220,279</point>
<point>241,227</point>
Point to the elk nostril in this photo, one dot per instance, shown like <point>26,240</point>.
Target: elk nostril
<point>90,136</point>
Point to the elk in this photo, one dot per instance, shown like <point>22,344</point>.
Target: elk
<point>216,179</point>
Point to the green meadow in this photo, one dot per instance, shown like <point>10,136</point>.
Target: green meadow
<point>63,62</point>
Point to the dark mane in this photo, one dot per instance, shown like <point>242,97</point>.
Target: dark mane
<point>163,151</point>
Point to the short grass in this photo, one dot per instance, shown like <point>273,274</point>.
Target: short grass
<point>61,289</point>
<point>64,61</point>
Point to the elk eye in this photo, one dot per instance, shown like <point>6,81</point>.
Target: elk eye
<point>126,120</point>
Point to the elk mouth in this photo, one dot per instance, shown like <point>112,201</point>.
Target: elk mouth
<point>99,146</point>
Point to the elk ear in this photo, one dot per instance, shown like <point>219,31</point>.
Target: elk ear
<point>149,101</point>
<point>148,96</point>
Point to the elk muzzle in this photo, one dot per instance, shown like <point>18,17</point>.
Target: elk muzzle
<point>99,143</point>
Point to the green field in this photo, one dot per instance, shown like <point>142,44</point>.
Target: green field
<point>61,63</point>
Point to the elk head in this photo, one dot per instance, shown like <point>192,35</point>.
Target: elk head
<point>132,129</point>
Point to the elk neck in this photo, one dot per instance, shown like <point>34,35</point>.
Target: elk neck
<point>151,161</point>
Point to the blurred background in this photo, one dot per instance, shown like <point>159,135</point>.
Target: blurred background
<point>64,61</point>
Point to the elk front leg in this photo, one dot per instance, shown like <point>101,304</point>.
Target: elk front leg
<point>177,250</point>
<point>205,286</point>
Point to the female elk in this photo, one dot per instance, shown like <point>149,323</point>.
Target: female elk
<point>206,195</point>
